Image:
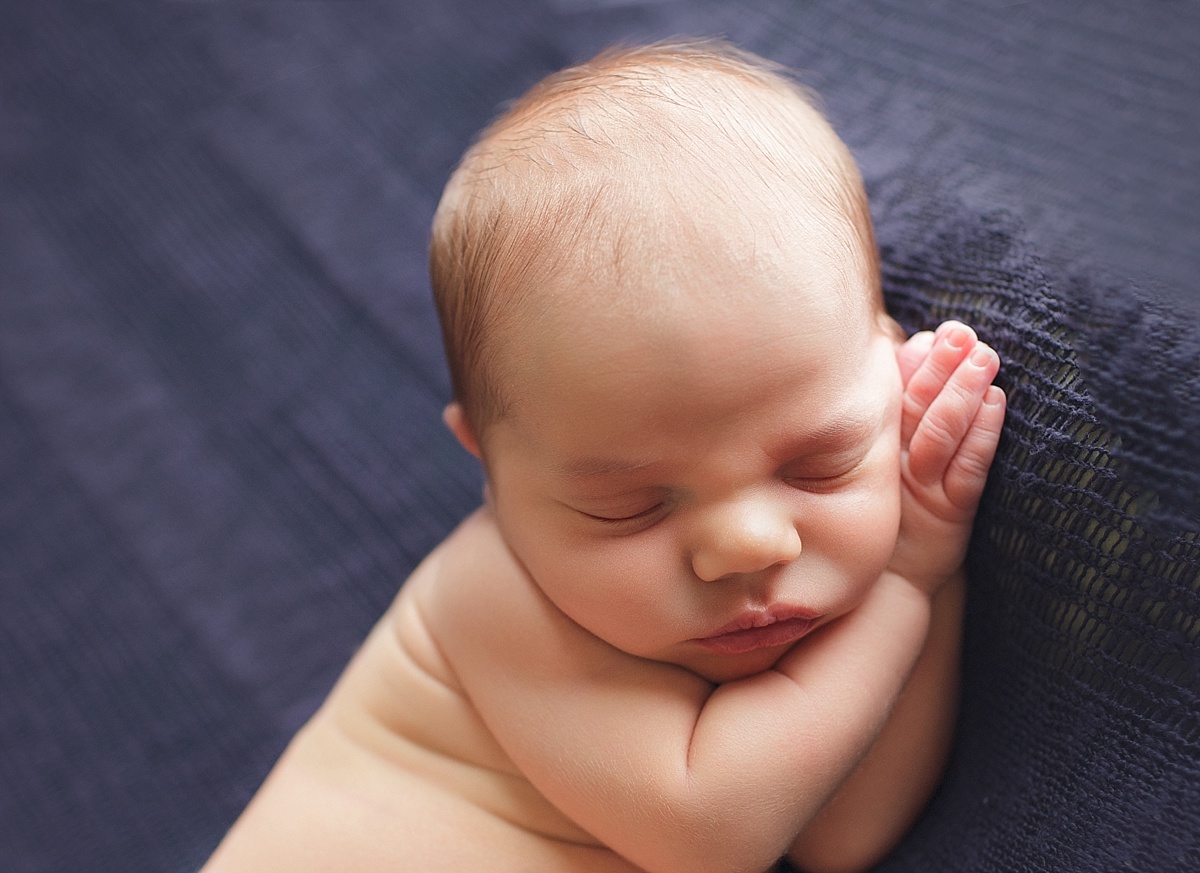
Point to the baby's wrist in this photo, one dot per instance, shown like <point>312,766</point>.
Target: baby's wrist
<point>931,553</point>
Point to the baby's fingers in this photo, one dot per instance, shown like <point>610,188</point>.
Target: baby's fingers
<point>967,473</point>
<point>913,353</point>
<point>942,431</point>
<point>943,352</point>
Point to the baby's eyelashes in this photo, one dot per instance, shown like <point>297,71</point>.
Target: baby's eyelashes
<point>823,476</point>
<point>818,484</point>
<point>627,522</point>
<point>630,517</point>
<point>619,508</point>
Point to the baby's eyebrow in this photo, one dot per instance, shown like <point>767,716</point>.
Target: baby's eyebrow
<point>838,431</point>
<point>852,427</point>
<point>586,468</point>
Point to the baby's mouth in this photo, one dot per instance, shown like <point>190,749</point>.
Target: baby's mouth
<point>753,630</point>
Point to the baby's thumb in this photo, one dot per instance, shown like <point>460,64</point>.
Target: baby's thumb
<point>910,355</point>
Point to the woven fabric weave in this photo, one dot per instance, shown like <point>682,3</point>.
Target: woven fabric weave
<point>1080,734</point>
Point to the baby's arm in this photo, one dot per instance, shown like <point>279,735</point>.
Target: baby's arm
<point>668,770</point>
<point>952,420</point>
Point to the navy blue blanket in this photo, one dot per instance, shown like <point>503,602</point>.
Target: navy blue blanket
<point>220,384</point>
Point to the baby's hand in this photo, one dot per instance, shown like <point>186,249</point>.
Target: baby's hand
<point>949,429</point>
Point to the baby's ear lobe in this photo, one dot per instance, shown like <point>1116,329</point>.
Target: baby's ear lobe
<point>456,419</point>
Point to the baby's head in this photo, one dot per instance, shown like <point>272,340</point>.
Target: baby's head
<point>661,305</point>
<point>612,190</point>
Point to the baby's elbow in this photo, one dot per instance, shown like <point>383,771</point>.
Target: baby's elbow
<point>837,865</point>
<point>846,856</point>
<point>723,862</point>
<point>715,850</point>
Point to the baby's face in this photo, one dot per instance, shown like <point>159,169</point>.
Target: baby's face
<point>705,484</point>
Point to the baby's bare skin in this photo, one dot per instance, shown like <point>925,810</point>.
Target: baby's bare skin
<point>396,771</point>
<point>400,764</point>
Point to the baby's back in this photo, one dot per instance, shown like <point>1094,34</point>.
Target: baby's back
<point>396,771</point>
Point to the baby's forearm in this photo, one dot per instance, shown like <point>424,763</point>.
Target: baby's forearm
<point>794,734</point>
<point>882,798</point>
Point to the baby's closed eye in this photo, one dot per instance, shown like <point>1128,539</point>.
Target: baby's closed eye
<point>627,517</point>
<point>623,513</point>
<point>823,474</point>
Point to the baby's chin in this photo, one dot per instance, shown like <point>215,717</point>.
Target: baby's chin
<point>720,669</point>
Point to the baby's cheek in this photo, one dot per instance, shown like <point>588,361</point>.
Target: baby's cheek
<point>602,584</point>
<point>872,524</point>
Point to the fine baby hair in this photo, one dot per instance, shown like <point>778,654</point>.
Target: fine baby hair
<point>579,171</point>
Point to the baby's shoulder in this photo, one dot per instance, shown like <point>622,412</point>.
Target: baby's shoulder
<point>403,701</point>
<point>471,587</point>
<point>491,619</point>
<point>404,679</point>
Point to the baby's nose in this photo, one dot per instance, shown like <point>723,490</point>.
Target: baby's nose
<point>744,536</point>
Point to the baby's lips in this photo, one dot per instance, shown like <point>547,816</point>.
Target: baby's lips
<point>761,629</point>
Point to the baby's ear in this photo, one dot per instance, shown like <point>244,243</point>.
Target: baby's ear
<point>456,419</point>
<point>890,328</point>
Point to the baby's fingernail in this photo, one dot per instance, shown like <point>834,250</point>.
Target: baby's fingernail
<point>981,356</point>
<point>956,337</point>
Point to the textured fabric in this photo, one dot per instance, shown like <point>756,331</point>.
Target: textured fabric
<point>220,384</point>
<point>1079,744</point>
